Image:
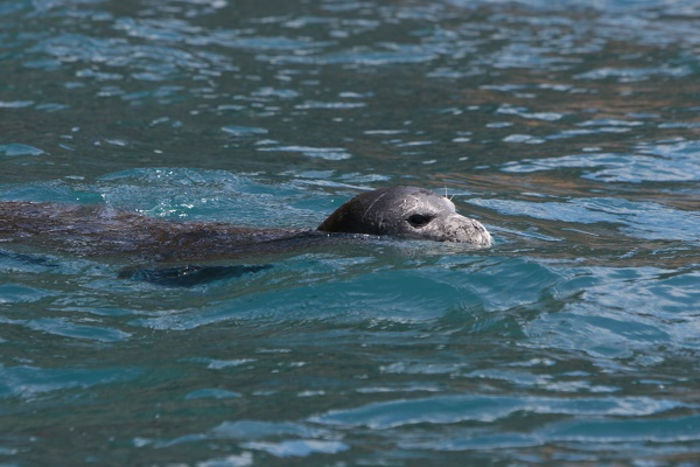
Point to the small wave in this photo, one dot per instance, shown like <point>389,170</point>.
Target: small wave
<point>486,409</point>
<point>29,381</point>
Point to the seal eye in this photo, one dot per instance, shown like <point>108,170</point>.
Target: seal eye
<point>418,220</point>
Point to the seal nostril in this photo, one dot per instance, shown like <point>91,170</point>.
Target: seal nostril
<point>419,220</point>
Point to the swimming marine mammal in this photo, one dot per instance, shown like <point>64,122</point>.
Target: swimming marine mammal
<point>98,230</point>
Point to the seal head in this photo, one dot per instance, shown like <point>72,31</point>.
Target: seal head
<point>407,212</point>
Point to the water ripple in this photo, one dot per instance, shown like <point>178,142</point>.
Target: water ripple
<point>669,223</point>
<point>28,381</point>
<point>677,162</point>
<point>486,409</point>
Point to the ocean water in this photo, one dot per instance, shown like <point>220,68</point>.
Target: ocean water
<point>571,129</point>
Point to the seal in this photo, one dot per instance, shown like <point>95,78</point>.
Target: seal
<point>406,212</point>
<point>95,230</point>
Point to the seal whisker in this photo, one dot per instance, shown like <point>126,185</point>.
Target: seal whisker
<point>447,194</point>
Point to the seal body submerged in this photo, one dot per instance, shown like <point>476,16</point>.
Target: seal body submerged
<point>405,212</point>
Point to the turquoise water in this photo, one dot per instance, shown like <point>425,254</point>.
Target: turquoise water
<point>570,129</point>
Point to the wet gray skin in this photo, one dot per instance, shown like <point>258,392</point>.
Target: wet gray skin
<point>406,212</point>
<point>99,230</point>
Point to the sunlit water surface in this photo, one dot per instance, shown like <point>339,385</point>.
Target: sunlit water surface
<point>571,129</point>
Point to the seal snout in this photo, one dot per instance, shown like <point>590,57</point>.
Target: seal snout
<point>463,229</point>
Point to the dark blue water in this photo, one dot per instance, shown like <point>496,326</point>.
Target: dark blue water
<point>570,129</point>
